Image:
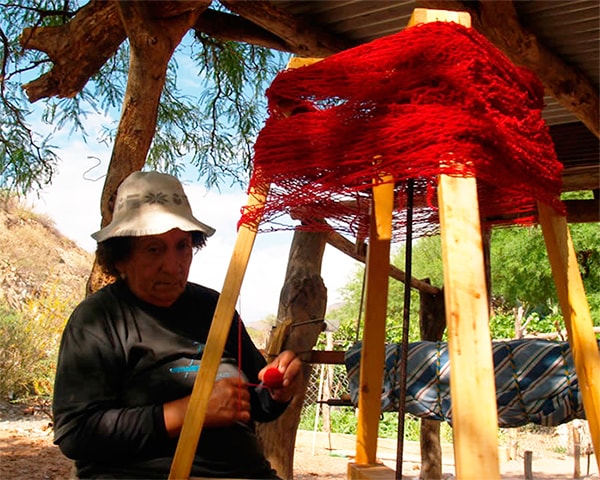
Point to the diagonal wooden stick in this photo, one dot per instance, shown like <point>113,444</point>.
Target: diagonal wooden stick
<point>215,344</point>
<point>576,313</point>
<point>472,380</point>
<point>217,335</point>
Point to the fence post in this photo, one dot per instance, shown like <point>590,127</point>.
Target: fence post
<point>576,450</point>
<point>527,458</point>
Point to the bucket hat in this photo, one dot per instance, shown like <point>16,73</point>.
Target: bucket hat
<point>150,203</point>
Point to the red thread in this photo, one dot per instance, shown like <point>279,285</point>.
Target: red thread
<point>433,99</point>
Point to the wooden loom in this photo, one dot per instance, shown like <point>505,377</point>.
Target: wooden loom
<point>467,315</point>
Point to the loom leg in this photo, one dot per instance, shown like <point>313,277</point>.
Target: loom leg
<point>373,348</point>
<point>576,313</point>
<point>472,381</point>
<point>215,344</point>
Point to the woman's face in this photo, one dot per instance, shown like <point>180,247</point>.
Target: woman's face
<point>158,267</point>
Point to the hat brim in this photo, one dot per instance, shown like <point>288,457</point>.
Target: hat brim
<point>136,226</point>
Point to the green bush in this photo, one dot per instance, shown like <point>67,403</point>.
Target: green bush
<point>29,341</point>
<point>344,420</point>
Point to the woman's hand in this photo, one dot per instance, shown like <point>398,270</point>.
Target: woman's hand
<point>290,367</point>
<point>229,403</point>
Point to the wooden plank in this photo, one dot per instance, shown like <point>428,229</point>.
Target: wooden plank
<point>217,335</point>
<point>327,357</point>
<point>427,15</point>
<point>215,344</point>
<point>576,313</point>
<point>372,353</point>
<point>472,381</point>
<point>347,247</point>
<point>472,385</point>
<point>369,472</point>
<point>373,348</point>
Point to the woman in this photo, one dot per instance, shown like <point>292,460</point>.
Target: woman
<point>130,351</point>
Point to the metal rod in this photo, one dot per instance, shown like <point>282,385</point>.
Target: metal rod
<point>405,329</point>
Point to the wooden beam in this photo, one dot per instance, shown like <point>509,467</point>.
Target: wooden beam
<point>346,246</point>
<point>583,211</point>
<point>372,356</point>
<point>306,39</point>
<point>327,357</point>
<point>499,22</point>
<point>584,177</point>
<point>215,344</point>
<point>369,472</point>
<point>472,385</point>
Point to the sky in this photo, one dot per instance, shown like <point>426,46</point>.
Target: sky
<point>72,201</point>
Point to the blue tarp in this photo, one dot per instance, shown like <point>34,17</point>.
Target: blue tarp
<point>535,381</point>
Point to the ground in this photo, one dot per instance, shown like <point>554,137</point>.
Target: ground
<point>27,453</point>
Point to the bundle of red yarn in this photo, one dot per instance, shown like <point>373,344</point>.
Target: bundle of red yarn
<point>437,98</point>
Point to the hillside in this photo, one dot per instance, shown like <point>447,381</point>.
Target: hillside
<point>36,260</point>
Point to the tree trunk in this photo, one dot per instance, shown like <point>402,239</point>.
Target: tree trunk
<point>153,39</point>
<point>432,324</point>
<point>302,306</point>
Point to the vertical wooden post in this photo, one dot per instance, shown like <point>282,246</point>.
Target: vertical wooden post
<point>215,344</point>
<point>576,313</point>
<point>528,464</point>
<point>373,346</point>
<point>472,380</point>
<point>576,451</point>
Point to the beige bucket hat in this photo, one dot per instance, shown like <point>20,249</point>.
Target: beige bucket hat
<point>151,203</point>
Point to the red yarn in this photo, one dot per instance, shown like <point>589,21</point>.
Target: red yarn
<point>272,378</point>
<point>432,99</point>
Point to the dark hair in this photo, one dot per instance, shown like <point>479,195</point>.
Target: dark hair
<point>116,249</point>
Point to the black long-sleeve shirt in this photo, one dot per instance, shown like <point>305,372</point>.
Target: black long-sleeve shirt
<point>120,360</point>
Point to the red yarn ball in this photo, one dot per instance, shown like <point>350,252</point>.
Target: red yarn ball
<point>272,378</point>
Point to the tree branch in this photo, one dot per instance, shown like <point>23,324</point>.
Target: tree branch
<point>345,246</point>
<point>78,49</point>
<point>226,27</point>
<point>303,38</point>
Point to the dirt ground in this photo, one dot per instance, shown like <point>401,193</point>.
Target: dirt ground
<point>27,453</point>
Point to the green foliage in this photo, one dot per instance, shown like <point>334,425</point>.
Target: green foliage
<point>344,420</point>
<point>212,130</point>
<point>522,282</point>
<point>522,277</point>
<point>520,269</point>
<point>29,341</point>
<point>427,264</point>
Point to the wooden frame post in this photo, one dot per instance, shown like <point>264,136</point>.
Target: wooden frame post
<point>215,344</point>
<point>472,379</point>
<point>217,335</point>
<point>576,313</point>
<point>372,356</point>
